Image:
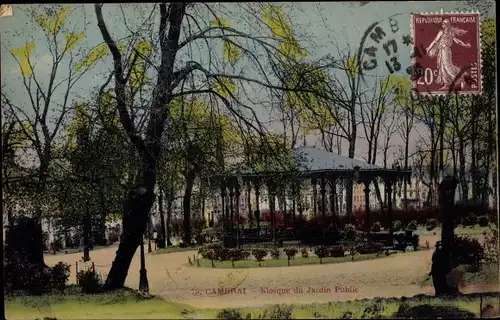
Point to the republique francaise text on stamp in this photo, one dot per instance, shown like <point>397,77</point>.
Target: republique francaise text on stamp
<point>447,53</point>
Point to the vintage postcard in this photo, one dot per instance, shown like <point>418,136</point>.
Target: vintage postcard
<point>250,160</point>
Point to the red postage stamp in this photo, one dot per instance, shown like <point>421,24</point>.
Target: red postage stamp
<point>447,53</point>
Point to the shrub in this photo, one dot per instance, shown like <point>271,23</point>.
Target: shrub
<point>350,227</point>
<point>55,246</point>
<point>229,314</point>
<point>397,225</point>
<point>305,253</point>
<point>470,220</point>
<point>45,240</point>
<point>368,248</point>
<point>34,279</point>
<point>352,252</point>
<point>23,270</point>
<point>259,254</point>
<point>215,251</point>
<point>234,255</point>
<point>491,245</point>
<point>426,311</point>
<point>275,254</point>
<point>245,254</point>
<point>466,251</point>
<point>60,275</point>
<point>211,255</point>
<point>483,221</point>
<point>90,281</point>
<point>336,251</point>
<point>373,311</point>
<point>350,231</point>
<point>412,225</point>
<point>415,241</point>
<point>321,252</point>
<point>405,216</point>
<point>223,254</point>
<point>30,278</point>
<point>277,312</point>
<point>290,253</point>
<point>376,227</point>
<point>114,234</point>
<point>431,224</point>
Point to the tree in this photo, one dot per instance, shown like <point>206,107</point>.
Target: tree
<point>172,79</point>
<point>486,115</point>
<point>455,120</point>
<point>197,126</point>
<point>46,116</point>
<point>377,115</point>
<point>93,159</point>
<point>170,181</point>
<point>405,109</point>
<point>430,111</point>
<point>14,175</point>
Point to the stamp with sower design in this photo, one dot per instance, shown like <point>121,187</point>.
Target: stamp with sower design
<point>447,53</point>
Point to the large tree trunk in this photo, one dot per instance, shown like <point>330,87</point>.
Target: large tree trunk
<point>190,177</point>
<point>100,238</point>
<point>86,234</point>
<point>40,188</point>
<point>454,157</point>
<point>442,260</point>
<point>170,203</point>
<point>141,198</point>
<point>135,220</point>
<point>405,183</point>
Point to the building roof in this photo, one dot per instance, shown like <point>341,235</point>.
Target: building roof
<point>312,159</point>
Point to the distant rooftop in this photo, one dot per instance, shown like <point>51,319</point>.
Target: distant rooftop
<point>312,159</point>
<point>315,161</point>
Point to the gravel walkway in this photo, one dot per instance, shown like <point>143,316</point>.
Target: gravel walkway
<point>170,277</point>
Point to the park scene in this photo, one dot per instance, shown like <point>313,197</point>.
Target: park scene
<point>250,160</point>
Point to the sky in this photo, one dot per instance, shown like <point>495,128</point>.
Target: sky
<point>327,27</point>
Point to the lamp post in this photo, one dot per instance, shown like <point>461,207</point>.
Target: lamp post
<point>143,274</point>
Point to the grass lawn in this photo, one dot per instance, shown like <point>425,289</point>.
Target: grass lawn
<point>122,304</point>
<point>464,231</point>
<point>283,262</point>
<point>356,309</point>
<point>173,249</point>
<point>126,304</point>
<point>488,274</point>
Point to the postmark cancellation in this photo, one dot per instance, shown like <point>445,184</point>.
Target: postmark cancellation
<point>447,53</point>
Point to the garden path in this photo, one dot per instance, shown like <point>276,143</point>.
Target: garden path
<point>170,277</point>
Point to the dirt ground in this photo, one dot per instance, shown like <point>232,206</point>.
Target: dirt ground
<point>170,277</point>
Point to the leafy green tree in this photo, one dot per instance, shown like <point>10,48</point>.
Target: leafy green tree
<point>41,113</point>
<point>15,176</point>
<point>174,79</point>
